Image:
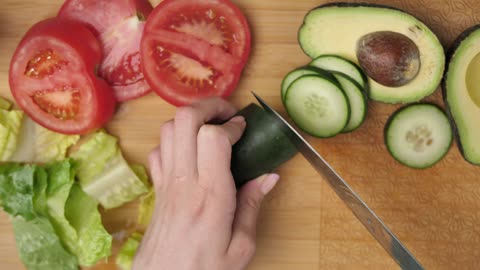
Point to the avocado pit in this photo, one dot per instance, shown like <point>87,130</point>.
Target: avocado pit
<point>471,79</point>
<point>389,58</point>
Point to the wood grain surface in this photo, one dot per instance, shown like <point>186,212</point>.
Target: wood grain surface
<point>303,225</point>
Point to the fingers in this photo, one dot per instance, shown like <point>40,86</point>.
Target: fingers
<point>249,200</point>
<point>188,122</point>
<point>167,139</point>
<point>215,150</point>
<point>154,160</point>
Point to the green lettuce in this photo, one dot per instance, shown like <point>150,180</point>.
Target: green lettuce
<point>39,246</point>
<point>104,174</point>
<point>126,255</point>
<point>40,145</point>
<point>5,104</point>
<point>10,125</point>
<point>145,209</point>
<point>24,195</point>
<point>75,216</point>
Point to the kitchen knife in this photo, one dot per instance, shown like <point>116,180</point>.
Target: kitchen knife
<point>368,218</point>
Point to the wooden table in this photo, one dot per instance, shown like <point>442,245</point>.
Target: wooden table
<point>303,224</point>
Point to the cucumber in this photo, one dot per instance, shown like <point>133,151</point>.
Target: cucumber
<point>418,135</point>
<point>263,147</point>
<point>342,65</point>
<point>318,106</point>
<point>357,100</point>
<point>299,72</point>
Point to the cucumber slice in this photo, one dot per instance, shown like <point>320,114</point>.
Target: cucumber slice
<point>342,65</point>
<point>318,106</point>
<point>356,99</point>
<point>418,135</point>
<point>299,72</point>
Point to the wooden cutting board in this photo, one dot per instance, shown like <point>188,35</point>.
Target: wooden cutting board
<point>303,225</point>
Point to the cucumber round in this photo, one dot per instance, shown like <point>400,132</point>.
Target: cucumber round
<point>318,106</point>
<point>418,135</point>
<point>299,72</point>
<point>356,99</point>
<point>342,65</point>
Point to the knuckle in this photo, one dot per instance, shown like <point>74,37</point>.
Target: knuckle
<point>214,133</point>
<point>246,246</point>
<point>252,203</point>
<point>187,113</point>
<point>197,204</point>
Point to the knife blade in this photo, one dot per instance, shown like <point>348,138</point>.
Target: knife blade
<point>367,217</point>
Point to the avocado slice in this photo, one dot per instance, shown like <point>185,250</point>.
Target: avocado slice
<point>337,29</point>
<point>461,92</point>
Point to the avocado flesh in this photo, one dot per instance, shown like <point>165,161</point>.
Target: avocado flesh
<point>462,94</point>
<point>336,29</point>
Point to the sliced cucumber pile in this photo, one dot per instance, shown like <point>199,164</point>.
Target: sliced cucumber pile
<point>346,76</point>
<point>418,135</point>
<point>318,105</point>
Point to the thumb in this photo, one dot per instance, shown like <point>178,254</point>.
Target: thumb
<point>249,201</point>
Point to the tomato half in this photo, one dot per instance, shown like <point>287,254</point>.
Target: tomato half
<point>194,49</point>
<point>52,77</point>
<point>119,25</point>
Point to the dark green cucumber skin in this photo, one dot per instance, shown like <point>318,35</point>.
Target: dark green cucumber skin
<point>450,54</point>
<point>388,125</point>
<point>263,147</point>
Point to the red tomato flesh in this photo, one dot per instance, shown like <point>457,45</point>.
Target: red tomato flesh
<point>52,77</point>
<point>194,49</point>
<point>119,25</point>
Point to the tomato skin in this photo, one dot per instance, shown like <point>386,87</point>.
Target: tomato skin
<point>220,46</point>
<point>74,43</point>
<point>119,26</point>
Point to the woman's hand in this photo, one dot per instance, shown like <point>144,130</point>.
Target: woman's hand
<point>200,222</point>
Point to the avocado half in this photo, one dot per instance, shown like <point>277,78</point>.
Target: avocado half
<point>461,92</point>
<point>337,28</point>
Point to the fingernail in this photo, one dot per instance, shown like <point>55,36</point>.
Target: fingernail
<point>238,119</point>
<point>268,183</point>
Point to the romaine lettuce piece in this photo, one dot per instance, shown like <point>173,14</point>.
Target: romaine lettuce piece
<point>5,104</point>
<point>40,145</point>
<point>10,124</point>
<point>40,247</point>
<point>75,215</point>
<point>17,190</point>
<point>104,174</point>
<point>126,255</point>
<point>94,243</point>
<point>145,209</point>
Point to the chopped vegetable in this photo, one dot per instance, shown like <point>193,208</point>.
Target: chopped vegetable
<point>5,104</point>
<point>10,124</point>
<point>104,174</point>
<point>145,209</point>
<point>127,253</point>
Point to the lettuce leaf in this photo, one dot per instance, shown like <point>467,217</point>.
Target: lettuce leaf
<point>104,174</point>
<point>40,145</point>
<point>5,104</point>
<point>40,247</point>
<point>10,124</point>
<point>94,243</point>
<point>17,190</point>
<point>145,209</point>
<point>75,215</point>
<point>24,194</point>
<point>126,255</point>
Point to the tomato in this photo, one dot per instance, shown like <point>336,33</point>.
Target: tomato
<point>194,49</point>
<point>119,26</point>
<point>52,77</point>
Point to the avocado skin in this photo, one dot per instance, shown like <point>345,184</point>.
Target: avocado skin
<point>450,54</point>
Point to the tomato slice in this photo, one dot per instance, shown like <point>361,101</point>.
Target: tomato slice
<point>119,25</point>
<point>52,77</point>
<point>194,49</point>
